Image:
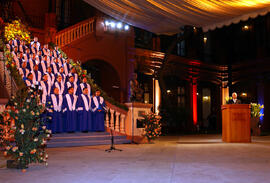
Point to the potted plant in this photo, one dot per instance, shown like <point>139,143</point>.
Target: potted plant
<point>255,118</point>
<point>152,126</point>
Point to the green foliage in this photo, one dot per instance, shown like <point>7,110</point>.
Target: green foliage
<point>30,133</point>
<point>255,110</point>
<point>152,126</point>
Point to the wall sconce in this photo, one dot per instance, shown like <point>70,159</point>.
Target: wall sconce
<point>205,40</point>
<point>244,94</point>
<point>169,91</point>
<point>246,28</point>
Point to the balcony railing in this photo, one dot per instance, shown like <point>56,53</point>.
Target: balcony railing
<point>75,32</point>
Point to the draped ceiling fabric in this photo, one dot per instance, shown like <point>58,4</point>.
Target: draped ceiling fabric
<point>167,16</point>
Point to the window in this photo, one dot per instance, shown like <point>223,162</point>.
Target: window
<point>181,96</point>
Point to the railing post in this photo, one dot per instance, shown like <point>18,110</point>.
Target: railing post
<point>68,37</point>
<point>112,119</point>
<point>122,123</point>
<point>117,121</point>
<point>107,120</point>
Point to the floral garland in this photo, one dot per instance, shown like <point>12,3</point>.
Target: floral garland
<point>23,132</point>
<point>152,126</point>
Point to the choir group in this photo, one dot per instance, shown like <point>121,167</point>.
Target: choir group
<point>67,98</point>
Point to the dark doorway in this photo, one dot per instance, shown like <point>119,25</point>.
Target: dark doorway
<point>105,76</point>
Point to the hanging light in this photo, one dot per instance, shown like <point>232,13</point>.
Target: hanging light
<point>119,25</point>
<point>126,27</point>
<point>112,24</point>
<point>107,23</point>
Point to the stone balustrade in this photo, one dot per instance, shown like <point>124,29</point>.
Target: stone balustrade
<point>115,118</point>
<point>74,32</point>
<point>6,78</point>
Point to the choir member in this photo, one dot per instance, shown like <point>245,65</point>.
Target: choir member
<point>11,43</point>
<point>16,42</point>
<point>67,66</point>
<point>84,111</point>
<point>99,109</point>
<point>57,121</point>
<point>56,52</point>
<point>59,84</point>
<point>72,84</point>
<point>74,74</point>
<point>69,109</point>
<point>51,58</point>
<point>45,50</point>
<point>29,80</point>
<point>15,51</point>
<point>85,84</point>
<point>39,56</point>
<point>35,42</point>
<point>24,71</point>
<point>61,72</point>
<point>34,48</point>
<point>43,65</point>
<point>27,54</point>
<point>56,65</point>
<point>36,74</point>
<point>51,76</point>
<point>46,85</point>
<point>22,47</point>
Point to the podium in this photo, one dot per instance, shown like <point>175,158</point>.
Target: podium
<point>236,123</point>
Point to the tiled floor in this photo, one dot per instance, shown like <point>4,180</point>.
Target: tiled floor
<point>184,159</point>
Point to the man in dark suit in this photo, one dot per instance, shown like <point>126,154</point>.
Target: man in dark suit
<point>234,99</point>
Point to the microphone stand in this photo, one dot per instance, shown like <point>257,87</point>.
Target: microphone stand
<point>112,148</point>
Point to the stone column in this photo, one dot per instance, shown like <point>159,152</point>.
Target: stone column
<point>117,121</point>
<point>122,123</point>
<point>112,119</point>
<point>107,120</point>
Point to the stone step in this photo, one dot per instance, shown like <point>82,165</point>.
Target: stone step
<point>85,139</point>
<point>86,143</point>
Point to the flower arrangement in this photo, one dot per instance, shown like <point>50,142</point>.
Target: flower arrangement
<point>16,30</point>
<point>256,109</point>
<point>152,126</point>
<point>227,99</point>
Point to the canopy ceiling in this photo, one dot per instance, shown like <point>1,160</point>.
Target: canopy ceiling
<point>167,16</point>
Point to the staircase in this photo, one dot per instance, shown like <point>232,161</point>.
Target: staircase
<point>115,119</point>
<point>85,139</point>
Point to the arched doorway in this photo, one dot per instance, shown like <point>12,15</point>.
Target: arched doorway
<point>105,76</point>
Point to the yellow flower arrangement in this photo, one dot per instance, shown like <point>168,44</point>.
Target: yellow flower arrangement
<point>16,30</point>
